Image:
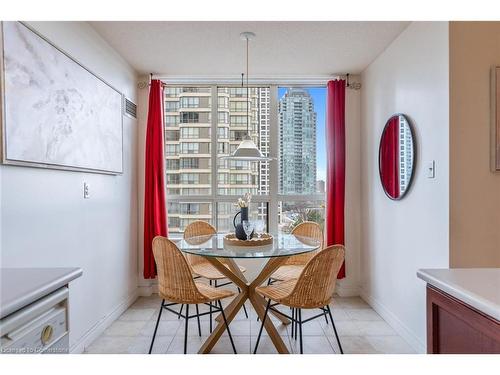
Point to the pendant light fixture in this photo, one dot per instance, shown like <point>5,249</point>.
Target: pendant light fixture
<point>247,149</point>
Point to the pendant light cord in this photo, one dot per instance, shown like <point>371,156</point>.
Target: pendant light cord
<point>248,97</point>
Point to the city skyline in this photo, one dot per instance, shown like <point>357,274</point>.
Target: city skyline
<point>189,158</point>
<point>318,95</point>
<point>297,142</point>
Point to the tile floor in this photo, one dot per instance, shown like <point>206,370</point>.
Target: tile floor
<point>360,328</point>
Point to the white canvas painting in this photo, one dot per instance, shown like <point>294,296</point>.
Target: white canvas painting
<point>56,113</point>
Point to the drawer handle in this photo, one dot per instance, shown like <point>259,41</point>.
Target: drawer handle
<point>46,335</point>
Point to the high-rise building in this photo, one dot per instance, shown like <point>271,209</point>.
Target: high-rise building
<point>320,186</point>
<point>188,142</point>
<point>187,152</point>
<point>297,139</point>
<point>264,121</point>
<point>405,154</point>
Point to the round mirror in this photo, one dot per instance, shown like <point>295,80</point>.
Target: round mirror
<point>396,156</point>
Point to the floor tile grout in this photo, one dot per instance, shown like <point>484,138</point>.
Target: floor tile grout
<point>370,334</point>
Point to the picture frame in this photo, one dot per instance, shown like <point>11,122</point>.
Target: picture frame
<point>495,119</point>
<point>89,155</point>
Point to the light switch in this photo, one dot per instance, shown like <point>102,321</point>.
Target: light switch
<point>86,191</point>
<point>431,169</point>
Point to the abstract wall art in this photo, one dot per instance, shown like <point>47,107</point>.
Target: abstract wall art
<point>55,112</point>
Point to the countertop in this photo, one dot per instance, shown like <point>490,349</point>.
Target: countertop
<point>21,286</point>
<point>477,287</point>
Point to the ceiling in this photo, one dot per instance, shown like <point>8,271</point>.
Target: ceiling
<point>279,49</point>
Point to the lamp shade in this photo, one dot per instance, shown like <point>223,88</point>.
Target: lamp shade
<point>247,150</point>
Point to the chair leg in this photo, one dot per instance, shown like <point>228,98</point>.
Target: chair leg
<point>227,327</point>
<point>244,308</point>
<point>326,317</point>
<point>210,317</point>
<point>210,282</point>
<point>334,329</point>
<point>261,327</point>
<point>198,318</point>
<point>300,332</point>
<point>186,329</point>
<point>180,312</point>
<point>293,317</point>
<point>296,323</point>
<point>156,327</point>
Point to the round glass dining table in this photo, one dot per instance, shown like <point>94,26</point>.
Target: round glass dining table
<point>222,256</point>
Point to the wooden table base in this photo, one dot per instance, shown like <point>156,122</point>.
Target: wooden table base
<point>233,273</point>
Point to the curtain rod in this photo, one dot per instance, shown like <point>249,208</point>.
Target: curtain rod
<point>264,80</point>
<point>237,79</point>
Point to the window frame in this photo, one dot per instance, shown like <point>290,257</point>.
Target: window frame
<point>273,198</point>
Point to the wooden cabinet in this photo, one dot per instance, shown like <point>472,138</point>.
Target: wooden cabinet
<point>454,327</point>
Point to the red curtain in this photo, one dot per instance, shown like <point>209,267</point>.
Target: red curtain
<point>155,215</point>
<point>389,157</point>
<point>335,165</point>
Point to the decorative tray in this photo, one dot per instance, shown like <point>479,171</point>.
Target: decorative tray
<point>265,239</point>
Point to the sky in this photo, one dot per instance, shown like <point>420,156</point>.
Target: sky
<point>319,99</point>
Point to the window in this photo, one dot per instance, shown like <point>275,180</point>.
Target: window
<point>223,117</point>
<point>188,149</point>
<point>190,163</point>
<point>172,92</point>
<point>190,178</point>
<point>301,155</point>
<point>222,133</point>
<point>190,102</point>
<point>173,179</point>
<point>286,191</point>
<point>292,213</point>
<point>239,106</point>
<point>181,214</point>
<point>190,133</point>
<point>172,164</point>
<point>223,148</point>
<point>171,106</point>
<point>171,150</point>
<point>223,101</point>
<point>244,176</point>
<point>171,120</point>
<point>171,135</point>
<point>237,135</point>
<point>190,117</point>
<point>238,120</point>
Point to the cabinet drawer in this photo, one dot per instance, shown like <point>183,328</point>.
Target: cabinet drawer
<point>37,326</point>
<point>38,334</point>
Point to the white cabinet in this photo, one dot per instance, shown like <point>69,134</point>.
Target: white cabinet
<point>40,327</point>
<point>34,310</point>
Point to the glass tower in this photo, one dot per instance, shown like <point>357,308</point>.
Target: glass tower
<point>297,139</point>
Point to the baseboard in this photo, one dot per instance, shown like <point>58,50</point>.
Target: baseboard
<point>347,290</point>
<point>101,325</point>
<point>395,323</point>
<point>145,290</point>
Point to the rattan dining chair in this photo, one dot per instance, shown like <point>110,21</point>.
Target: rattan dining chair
<point>199,265</point>
<point>176,285</point>
<point>313,289</point>
<point>292,268</point>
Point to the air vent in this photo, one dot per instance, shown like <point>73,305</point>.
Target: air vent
<point>130,108</point>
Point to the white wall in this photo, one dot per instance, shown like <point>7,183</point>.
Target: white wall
<point>45,222</point>
<point>349,286</point>
<point>399,237</point>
